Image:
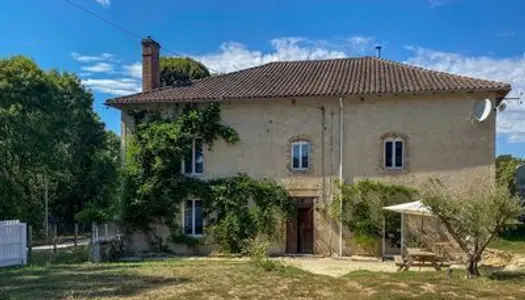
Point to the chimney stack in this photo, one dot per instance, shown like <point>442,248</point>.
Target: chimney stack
<point>150,64</point>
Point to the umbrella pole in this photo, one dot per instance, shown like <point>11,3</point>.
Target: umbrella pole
<point>384,237</point>
<point>402,233</point>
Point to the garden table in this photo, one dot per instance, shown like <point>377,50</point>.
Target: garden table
<point>417,257</point>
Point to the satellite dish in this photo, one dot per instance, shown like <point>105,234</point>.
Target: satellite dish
<point>482,110</point>
<point>502,107</point>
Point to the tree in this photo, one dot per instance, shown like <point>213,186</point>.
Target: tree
<point>91,157</point>
<point>506,171</point>
<point>181,70</point>
<point>50,131</point>
<point>31,126</point>
<point>472,218</point>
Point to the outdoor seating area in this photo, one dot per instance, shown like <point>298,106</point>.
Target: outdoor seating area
<point>423,243</point>
<point>419,257</point>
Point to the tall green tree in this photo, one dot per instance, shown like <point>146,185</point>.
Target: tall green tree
<point>89,153</point>
<point>506,171</point>
<point>49,131</point>
<point>29,136</point>
<point>181,70</point>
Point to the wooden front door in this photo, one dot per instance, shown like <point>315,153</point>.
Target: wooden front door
<point>305,220</point>
<point>300,229</point>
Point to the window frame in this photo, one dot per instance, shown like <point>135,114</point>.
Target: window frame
<point>192,234</point>
<point>193,161</point>
<point>393,140</point>
<point>300,144</point>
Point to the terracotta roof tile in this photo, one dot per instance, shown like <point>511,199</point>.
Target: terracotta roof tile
<point>337,77</point>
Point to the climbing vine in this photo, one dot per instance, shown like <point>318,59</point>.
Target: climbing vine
<point>362,207</point>
<point>236,208</point>
<point>245,208</point>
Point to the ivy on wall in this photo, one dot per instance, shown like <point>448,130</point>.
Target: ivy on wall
<point>237,208</point>
<point>362,211</point>
<point>245,208</point>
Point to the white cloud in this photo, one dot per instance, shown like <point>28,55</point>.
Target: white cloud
<point>508,33</point>
<point>117,86</point>
<point>361,43</point>
<point>436,3</point>
<point>101,67</point>
<point>84,74</point>
<point>233,56</point>
<point>88,59</point>
<point>509,69</point>
<point>134,70</point>
<point>105,3</point>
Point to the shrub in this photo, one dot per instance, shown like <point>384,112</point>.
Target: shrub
<point>112,250</point>
<point>257,249</point>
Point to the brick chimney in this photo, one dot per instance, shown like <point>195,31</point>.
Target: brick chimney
<point>150,64</point>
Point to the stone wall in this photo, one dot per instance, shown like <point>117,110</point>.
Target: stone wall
<point>441,142</point>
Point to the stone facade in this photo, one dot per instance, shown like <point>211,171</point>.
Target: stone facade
<point>440,139</point>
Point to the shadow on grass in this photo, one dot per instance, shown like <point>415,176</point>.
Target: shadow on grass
<point>89,282</point>
<point>507,276</point>
<point>515,234</point>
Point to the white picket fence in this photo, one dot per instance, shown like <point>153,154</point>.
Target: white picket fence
<point>13,243</point>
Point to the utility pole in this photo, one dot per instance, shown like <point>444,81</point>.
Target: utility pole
<point>46,208</point>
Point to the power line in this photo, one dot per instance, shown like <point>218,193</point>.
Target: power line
<point>121,28</point>
<point>104,19</point>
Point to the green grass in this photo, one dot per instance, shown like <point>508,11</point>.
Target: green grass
<point>511,240</point>
<point>68,276</point>
<point>63,256</point>
<point>435,285</point>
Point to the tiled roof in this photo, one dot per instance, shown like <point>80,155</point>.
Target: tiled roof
<point>334,77</point>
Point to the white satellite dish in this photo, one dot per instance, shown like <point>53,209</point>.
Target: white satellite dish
<point>482,110</point>
<point>502,106</point>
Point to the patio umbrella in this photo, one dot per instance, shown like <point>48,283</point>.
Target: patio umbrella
<point>411,208</point>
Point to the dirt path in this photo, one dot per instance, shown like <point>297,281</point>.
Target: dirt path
<point>339,267</point>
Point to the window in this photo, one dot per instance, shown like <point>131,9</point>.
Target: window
<point>193,161</point>
<point>300,155</point>
<point>192,218</point>
<point>394,153</point>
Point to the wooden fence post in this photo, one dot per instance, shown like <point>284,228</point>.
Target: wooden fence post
<point>76,235</point>
<point>23,242</point>
<point>29,243</point>
<point>106,232</point>
<point>55,239</point>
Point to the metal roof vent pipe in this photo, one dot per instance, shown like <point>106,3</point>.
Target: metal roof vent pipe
<point>378,50</point>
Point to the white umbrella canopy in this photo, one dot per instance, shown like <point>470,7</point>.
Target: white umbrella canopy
<point>410,208</point>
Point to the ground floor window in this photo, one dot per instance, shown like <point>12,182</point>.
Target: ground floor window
<point>192,218</point>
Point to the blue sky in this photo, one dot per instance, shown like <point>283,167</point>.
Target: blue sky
<point>478,38</point>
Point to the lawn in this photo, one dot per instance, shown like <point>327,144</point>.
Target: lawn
<point>234,279</point>
<point>511,240</point>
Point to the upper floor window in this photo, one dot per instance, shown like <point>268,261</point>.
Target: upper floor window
<point>394,153</point>
<point>300,155</point>
<point>193,161</point>
<point>192,218</point>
